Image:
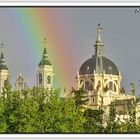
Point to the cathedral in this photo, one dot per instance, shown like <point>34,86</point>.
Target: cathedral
<point>98,76</point>
<point>101,79</point>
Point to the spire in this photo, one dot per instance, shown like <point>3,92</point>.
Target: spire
<point>44,42</point>
<point>99,44</point>
<point>99,51</point>
<point>2,59</point>
<point>45,59</point>
<point>45,46</point>
<point>99,29</point>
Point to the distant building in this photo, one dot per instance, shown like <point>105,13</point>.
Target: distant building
<point>20,83</point>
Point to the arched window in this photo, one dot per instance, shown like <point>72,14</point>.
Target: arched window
<point>115,88</point>
<point>112,86</point>
<point>40,78</point>
<point>88,86</point>
<point>48,79</point>
<point>93,100</point>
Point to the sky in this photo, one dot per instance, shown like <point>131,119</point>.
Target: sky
<point>71,33</point>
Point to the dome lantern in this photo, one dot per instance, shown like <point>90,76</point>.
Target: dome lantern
<point>99,44</point>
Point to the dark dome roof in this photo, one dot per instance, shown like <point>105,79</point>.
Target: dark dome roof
<point>89,66</point>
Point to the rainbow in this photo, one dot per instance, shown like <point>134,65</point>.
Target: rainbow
<point>34,23</point>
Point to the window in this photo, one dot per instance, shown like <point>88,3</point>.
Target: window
<point>115,88</point>
<point>48,79</point>
<point>112,86</point>
<point>93,100</point>
<point>40,78</point>
<point>88,86</point>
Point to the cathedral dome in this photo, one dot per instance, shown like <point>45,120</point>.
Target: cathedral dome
<point>98,63</point>
<point>89,66</point>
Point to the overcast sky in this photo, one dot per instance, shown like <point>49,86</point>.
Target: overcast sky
<point>120,34</point>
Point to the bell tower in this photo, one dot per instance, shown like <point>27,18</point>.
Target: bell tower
<point>4,72</point>
<point>45,70</point>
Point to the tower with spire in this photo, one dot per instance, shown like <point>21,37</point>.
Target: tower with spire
<point>4,71</point>
<point>45,70</point>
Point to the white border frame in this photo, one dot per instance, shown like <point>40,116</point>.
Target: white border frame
<point>121,3</point>
<point>70,3</point>
<point>71,136</point>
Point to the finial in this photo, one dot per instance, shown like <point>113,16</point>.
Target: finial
<point>99,29</point>
<point>44,42</point>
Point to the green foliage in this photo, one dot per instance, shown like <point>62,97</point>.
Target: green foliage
<point>38,110</point>
<point>112,124</point>
<point>94,121</point>
<point>132,86</point>
<point>80,97</point>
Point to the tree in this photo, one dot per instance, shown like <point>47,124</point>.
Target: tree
<point>80,97</point>
<point>3,125</point>
<point>112,123</point>
<point>132,92</point>
<point>94,121</point>
<point>39,110</point>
